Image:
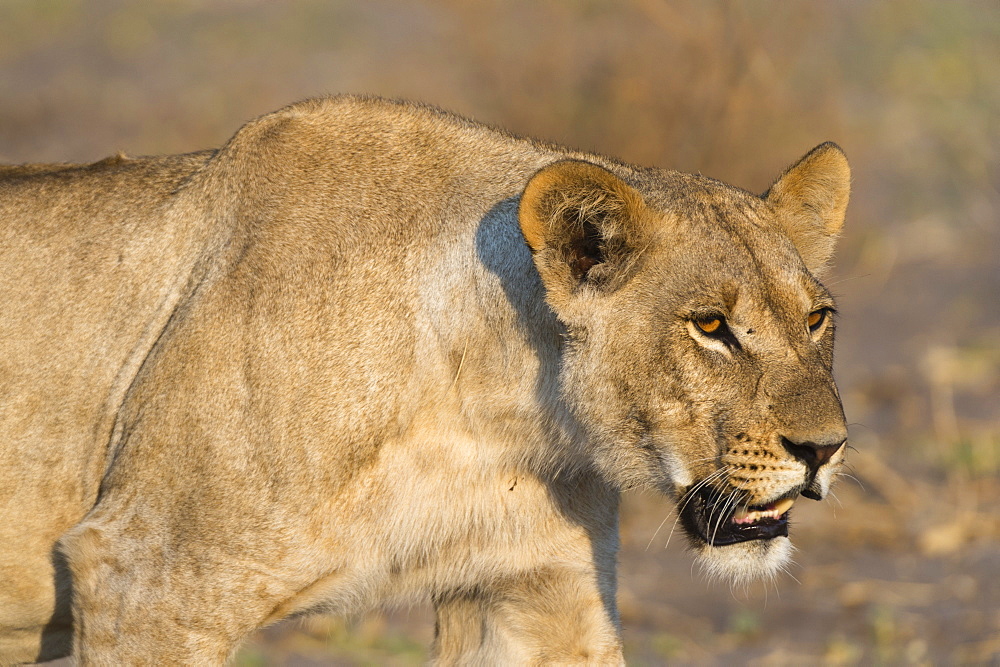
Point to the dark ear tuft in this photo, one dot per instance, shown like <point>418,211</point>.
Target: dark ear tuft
<point>586,251</point>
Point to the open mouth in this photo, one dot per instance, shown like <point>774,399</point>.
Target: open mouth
<point>711,516</point>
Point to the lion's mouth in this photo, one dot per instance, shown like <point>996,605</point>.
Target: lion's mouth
<point>713,517</point>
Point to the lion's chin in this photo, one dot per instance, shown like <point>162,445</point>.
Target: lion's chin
<point>746,562</point>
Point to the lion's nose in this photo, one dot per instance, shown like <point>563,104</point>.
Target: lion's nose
<point>812,454</point>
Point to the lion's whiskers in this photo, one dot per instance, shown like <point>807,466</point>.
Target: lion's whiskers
<point>678,510</point>
<point>689,496</point>
<point>729,504</point>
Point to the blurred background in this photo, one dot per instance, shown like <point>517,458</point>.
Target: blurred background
<point>903,566</point>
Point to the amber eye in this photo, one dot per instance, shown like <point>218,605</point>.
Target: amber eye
<point>709,325</point>
<point>816,318</point>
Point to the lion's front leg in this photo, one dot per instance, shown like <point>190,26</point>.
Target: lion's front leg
<point>142,600</point>
<point>552,616</point>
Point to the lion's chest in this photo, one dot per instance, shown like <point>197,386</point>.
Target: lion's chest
<point>436,516</point>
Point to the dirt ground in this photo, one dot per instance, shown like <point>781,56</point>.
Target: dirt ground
<point>903,566</point>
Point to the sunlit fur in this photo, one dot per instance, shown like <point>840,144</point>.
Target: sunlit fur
<point>369,352</point>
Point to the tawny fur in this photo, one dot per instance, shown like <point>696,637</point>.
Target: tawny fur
<point>369,352</point>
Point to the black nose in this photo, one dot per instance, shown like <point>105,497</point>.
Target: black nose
<point>810,453</point>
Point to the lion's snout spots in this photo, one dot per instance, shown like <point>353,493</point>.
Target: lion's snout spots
<point>760,471</point>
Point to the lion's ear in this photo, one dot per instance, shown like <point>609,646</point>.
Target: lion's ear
<point>810,199</point>
<point>582,223</point>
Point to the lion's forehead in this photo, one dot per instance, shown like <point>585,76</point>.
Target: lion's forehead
<point>729,247</point>
<point>728,231</point>
<point>739,278</point>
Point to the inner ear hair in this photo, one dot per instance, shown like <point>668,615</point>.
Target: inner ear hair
<point>591,220</point>
<point>581,211</point>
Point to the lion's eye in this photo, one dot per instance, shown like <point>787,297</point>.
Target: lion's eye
<point>816,318</point>
<point>710,325</point>
<point>712,331</point>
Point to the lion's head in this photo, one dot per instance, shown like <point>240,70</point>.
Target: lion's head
<point>699,340</point>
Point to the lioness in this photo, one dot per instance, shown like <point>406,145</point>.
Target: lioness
<point>368,352</point>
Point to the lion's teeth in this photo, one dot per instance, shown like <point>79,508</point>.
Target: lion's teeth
<point>775,511</point>
<point>783,506</point>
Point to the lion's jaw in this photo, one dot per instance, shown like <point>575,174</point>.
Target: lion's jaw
<point>746,562</point>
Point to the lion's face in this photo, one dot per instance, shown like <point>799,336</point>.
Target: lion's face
<point>699,350</point>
